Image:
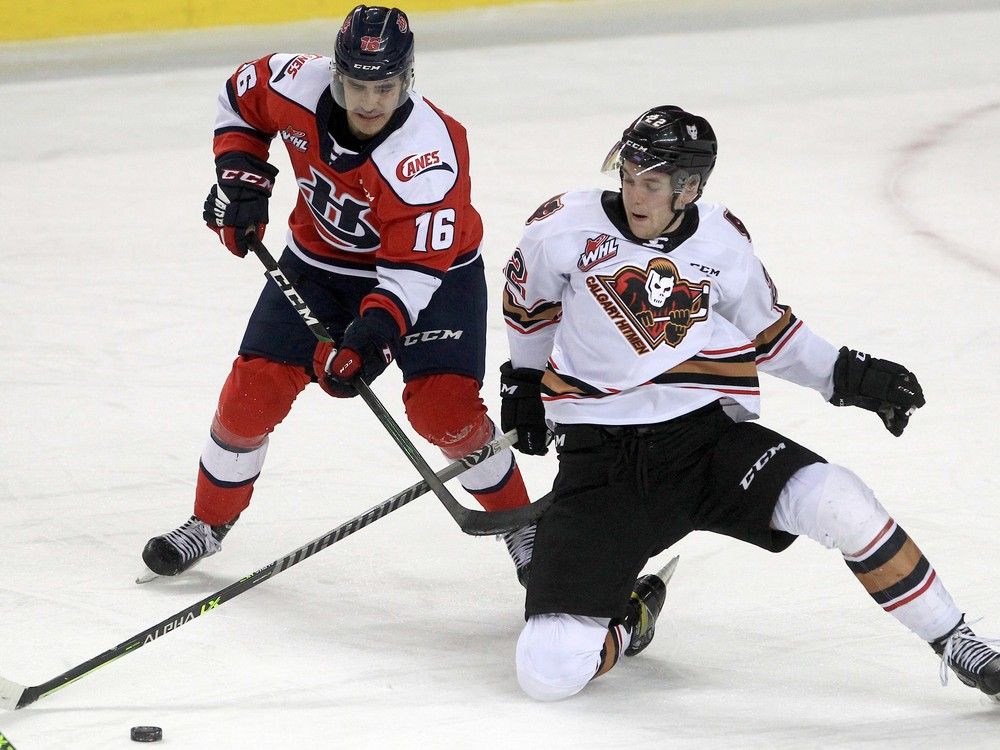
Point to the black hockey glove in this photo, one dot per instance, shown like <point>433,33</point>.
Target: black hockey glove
<point>239,200</point>
<point>365,351</point>
<point>521,408</point>
<point>881,386</point>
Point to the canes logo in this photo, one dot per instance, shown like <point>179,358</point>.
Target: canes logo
<point>416,164</point>
<point>293,66</point>
<point>598,249</point>
<point>653,305</point>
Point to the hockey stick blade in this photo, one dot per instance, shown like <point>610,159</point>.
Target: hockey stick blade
<point>14,695</point>
<point>474,522</point>
<point>10,694</point>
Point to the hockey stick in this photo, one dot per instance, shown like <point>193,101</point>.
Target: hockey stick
<point>474,522</point>
<point>14,696</point>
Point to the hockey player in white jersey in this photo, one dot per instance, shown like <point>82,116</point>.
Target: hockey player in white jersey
<point>638,321</point>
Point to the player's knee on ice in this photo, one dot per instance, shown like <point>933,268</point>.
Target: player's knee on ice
<point>558,654</point>
<point>832,505</point>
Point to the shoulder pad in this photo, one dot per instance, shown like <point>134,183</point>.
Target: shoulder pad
<point>720,220</point>
<point>419,161</point>
<point>300,77</point>
<point>573,207</point>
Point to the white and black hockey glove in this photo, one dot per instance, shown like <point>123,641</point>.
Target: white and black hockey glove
<point>521,408</point>
<point>239,200</point>
<point>878,385</point>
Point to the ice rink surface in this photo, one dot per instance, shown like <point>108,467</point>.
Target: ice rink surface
<point>858,146</point>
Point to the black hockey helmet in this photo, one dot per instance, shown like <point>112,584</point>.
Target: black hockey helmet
<point>667,139</point>
<point>374,44</point>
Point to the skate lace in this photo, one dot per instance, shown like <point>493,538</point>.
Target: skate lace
<point>519,543</point>
<point>968,651</point>
<point>193,539</point>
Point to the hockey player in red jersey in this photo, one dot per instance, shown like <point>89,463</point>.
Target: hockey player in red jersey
<point>383,243</point>
<point>649,400</point>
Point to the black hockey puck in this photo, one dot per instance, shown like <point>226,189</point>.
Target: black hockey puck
<point>146,734</point>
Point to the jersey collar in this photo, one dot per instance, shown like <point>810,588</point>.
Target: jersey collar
<point>614,208</point>
<point>331,122</point>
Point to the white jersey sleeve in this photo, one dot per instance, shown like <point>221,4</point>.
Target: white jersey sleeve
<point>533,293</point>
<point>786,348</point>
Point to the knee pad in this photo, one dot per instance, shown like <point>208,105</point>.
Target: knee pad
<point>558,654</point>
<point>256,396</point>
<point>447,411</point>
<point>831,505</point>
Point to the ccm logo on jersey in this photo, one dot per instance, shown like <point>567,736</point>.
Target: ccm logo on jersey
<point>417,164</point>
<point>759,464</point>
<point>416,338</point>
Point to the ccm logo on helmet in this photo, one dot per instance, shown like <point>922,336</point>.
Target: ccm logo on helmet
<point>416,164</point>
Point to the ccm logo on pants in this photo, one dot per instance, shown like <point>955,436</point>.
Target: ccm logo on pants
<point>416,338</point>
<point>759,464</point>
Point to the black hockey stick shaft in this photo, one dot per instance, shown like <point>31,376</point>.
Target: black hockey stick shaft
<point>474,522</point>
<point>14,696</point>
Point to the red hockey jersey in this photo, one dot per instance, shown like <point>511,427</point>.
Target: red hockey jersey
<point>398,210</point>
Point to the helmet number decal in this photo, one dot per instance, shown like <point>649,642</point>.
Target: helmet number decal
<point>246,79</point>
<point>435,230</point>
<point>655,120</point>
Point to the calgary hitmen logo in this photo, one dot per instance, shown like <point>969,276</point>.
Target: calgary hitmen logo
<point>651,306</point>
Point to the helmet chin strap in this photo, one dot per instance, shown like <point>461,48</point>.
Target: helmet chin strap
<point>678,213</point>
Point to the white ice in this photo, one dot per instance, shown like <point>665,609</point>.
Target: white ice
<point>858,144</point>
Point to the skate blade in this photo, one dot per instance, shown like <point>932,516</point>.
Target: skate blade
<point>146,576</point>
<point>667,571</point>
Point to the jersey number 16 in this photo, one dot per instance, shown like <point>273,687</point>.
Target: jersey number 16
<point>435,230</point>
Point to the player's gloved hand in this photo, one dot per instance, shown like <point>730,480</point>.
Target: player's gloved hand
<point>322,361</point>
<point>521,408</point>
<point>239,200</point>
<point>881,386</point>
<point>365,351</point>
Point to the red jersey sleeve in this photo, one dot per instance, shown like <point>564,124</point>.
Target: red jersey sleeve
<point>244,121</point>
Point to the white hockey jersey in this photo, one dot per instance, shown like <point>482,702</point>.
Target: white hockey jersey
<point>632,331</point>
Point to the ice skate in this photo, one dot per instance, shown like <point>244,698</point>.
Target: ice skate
<point>519,543</point>
<point>973,659</point>
<point>177,550</point>
<point>644,607</point>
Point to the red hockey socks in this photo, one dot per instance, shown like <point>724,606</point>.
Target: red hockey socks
<point>256,396</point>
<point>448,412</point>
